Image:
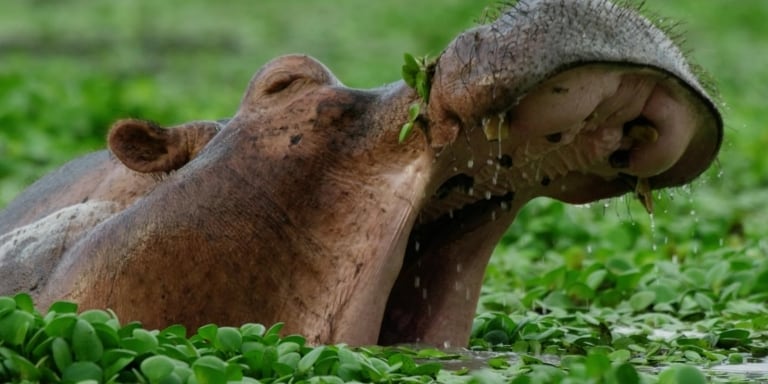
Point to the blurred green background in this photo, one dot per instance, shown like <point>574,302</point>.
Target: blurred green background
<point>69,68</point>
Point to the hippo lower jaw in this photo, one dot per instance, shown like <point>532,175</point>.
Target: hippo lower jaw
<point>591,132</point>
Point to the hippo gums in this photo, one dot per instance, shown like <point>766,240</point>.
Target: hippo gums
<point>307,208</point>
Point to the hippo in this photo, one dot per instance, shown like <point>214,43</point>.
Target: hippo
<point>312,207</point>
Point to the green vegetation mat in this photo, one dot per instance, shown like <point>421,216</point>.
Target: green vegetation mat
<point>595,294</point>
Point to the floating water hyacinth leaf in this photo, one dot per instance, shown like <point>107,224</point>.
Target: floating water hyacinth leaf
<point>7,305</point>
<point>25,369</point>
<point>82,371</point>
<point>208,332</point>
<point>410,69</point>
<point>85,343</point>
<point>251,330</point>
<point>24,302</point>
<point>14,327</point>
<point>115,360</point>
<point>61,325</point>
<point>141,342</point>
<point>210,370</point>
<point>95,316</point>
<point>627,374</point>
<point>62,355</point>
<point>156,368</point>
<point>63,307</point>
<point>641,300</point>
<point>405,132</point>
<point>228,339</point>
<point>306,362</point>
<point>272,335</point>
<point>413,112</point>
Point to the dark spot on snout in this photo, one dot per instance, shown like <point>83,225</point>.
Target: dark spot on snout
<point>619,159</point>
<point>560,90</point>
<point>461,182</point>
<point>545,181</point>
<point>505,161</point>
<point>555,137</point>
<point>295,139</point>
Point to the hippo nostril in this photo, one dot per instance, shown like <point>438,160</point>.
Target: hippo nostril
<point>555,137</point>
<point>461,181</point>
<point>545,181</point>
<point>619,159</point>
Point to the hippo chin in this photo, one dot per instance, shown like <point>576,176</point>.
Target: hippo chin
<point>305,208</point>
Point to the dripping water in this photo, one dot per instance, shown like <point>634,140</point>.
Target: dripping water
<point>654,246</point>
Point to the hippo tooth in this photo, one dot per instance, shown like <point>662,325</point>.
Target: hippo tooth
<point>494,128</point>
<point>643,133</point>
<point>644,194</point>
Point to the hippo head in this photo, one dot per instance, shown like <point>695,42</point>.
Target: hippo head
<point>308,206</point>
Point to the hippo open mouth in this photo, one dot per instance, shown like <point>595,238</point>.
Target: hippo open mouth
<point>592,131</point>
<point>308,207</point>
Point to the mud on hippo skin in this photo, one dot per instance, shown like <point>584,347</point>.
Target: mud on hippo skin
<point>54,212</point>
<point>306,209</point>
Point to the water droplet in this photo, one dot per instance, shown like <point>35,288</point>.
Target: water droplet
<point>493,216</point>
<point>446,344</point>
<point>504,206</point>
<point>456,286</point>
<point>488,195</point>
<point>416,282</point>
<point>424,293</point>
<point>467,295</point>
<point>450,213</point>
<point>489,162</point>
<point>471,191</point>
<point>416,246</point>
<point>470,163</point>
<point>721,242</point>
<point>458,267</point>
<point>589,249</point>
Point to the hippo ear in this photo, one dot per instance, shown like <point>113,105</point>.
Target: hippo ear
<point>146,147</point>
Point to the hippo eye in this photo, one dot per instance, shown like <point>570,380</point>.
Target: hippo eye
<point>282,81</point>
